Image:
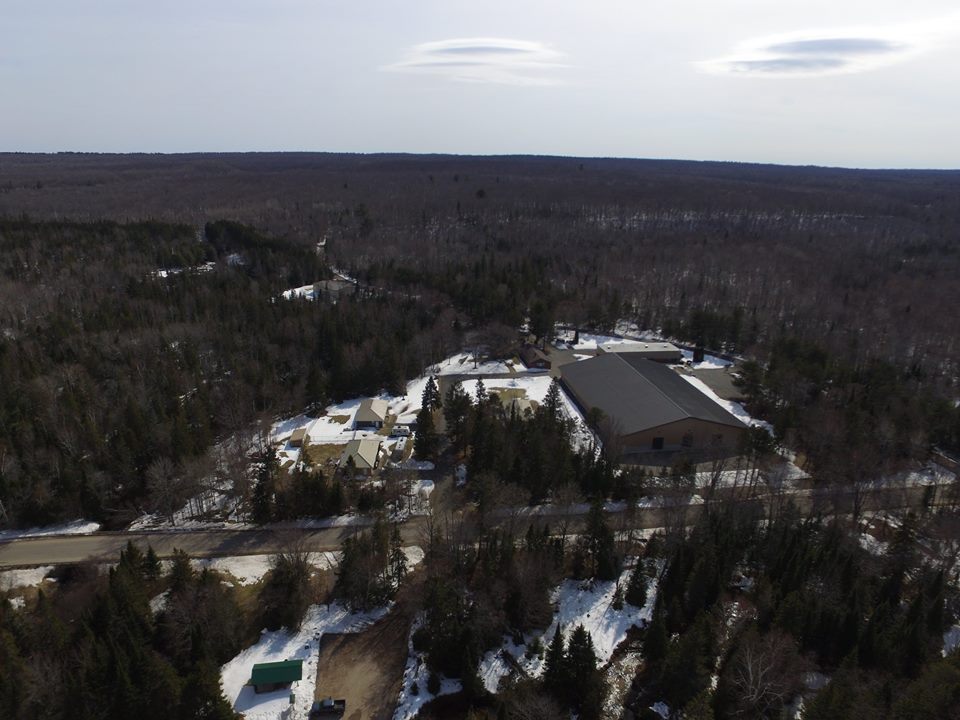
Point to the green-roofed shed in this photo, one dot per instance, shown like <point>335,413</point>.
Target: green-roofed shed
<point>267,677</point>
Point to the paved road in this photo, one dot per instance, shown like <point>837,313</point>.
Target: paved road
<point>105,547</point>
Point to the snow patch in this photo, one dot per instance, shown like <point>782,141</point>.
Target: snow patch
<point>74,527</point>
<point>587,603</point>
<point>29,577</point>
<point>951,640</point>
<point>416,673</point>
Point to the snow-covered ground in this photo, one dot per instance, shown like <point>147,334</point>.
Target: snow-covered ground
<point>416,674</point>
<point>464,364</point>
<point>577,603</point>
<point>214,502</point>
<point>247,569</point>
<point>710,362</point>
<point>734,408</point>
<point>12,579</point>
<point>278,645</point>
<point>74,527</point>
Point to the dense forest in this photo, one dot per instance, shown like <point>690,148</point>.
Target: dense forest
<point>139,356</point>
<point>146,345</point>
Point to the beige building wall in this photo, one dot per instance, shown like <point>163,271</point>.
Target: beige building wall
<point>703,435</point>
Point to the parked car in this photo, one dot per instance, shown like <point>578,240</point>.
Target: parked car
<point>327,708</point>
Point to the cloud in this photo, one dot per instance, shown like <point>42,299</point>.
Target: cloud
<point>484,60</point>
<point>833,52</point>
<point>838,46</point>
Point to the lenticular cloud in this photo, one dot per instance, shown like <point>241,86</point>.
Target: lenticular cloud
<point>820,53</point>
<point>484,60</point>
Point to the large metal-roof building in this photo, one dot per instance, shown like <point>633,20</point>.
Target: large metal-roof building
<point>648,408</point>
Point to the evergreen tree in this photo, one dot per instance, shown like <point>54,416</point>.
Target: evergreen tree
<point>181,574</point>
<point>263,501</point>
<point>151,564</point>
<point>586,681</point>
<point>700,708</point>
<point>431,395</point>
<point>655,640</point>
<point>456,412</point>
<point>600,544</point>
<point>398,559</point>
<point>555,670</point>
<point>637,587</point>
<point>427,441</point>
<point>202,697</point>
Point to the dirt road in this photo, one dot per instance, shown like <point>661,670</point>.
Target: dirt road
<point>365,669</point>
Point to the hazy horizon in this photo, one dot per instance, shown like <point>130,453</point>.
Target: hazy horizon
<point>857,85</point>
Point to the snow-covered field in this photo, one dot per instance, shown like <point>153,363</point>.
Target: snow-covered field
<point>416,674</point>
<point>577,603</point>
<point>464,364</point>
<point>74,527</point>
<point>278,645</point>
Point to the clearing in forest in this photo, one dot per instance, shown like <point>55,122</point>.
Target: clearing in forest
<point>366,669</point>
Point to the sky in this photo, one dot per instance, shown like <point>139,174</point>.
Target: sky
<point>851,83</point>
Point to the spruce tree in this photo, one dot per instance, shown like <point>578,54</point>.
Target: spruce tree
<point>655,641</point>
<point>431,395</point>
<point>555,673</point>
<point>202,697</point>
<point>637,587</point>
<point>426,441</point>
<point>151,564</point>
<point>398,560</point>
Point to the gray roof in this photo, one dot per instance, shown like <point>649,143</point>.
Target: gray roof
<point>640,394</point>
<point>372,410</point>
<point>364,453</point>
<point>652,348</point>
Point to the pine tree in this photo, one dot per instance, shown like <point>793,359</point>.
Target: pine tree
<point>426,442</point>
<point>555,673</point>
<point>202,698</point>
<point>585,680</point>
<point>262,510</point>
<point>456,412</point>
<point>431,395</point>
<point>600,543</point>
<point>637,587</point>
<point>151,564</point>
<point>655,641</point>
<point>398,559</point>
<point>181,574</point>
